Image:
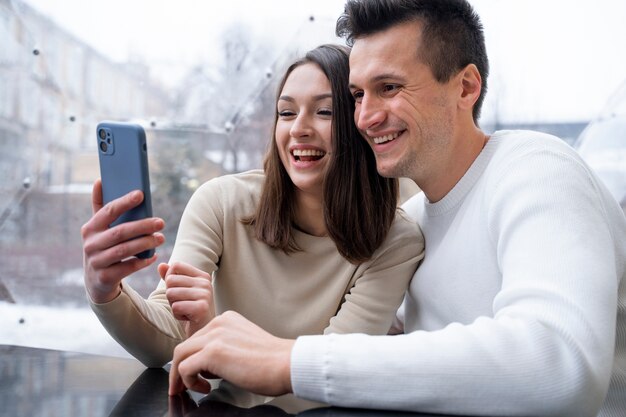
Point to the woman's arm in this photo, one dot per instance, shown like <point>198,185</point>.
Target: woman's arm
<point>147,328</point>
<point>380,284</point>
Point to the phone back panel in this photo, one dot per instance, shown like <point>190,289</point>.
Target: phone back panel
<point>124,166</point>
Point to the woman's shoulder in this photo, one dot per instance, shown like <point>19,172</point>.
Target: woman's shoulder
<point>242,183</point>
<point>252,180</point>
<point>231,190</point>
<point>404,230</point>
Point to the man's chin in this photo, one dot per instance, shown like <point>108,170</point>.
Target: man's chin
<point>386,170</point>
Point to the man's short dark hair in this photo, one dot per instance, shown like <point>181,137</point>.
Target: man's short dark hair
<point>452,33</point>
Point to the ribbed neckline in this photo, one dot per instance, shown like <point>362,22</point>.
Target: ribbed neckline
<point>467,182</point>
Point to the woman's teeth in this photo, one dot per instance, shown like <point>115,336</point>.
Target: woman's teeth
<point>307,154</point>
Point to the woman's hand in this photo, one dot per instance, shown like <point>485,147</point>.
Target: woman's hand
<point>190,294</point>
<point>233,348</point>
<point>108,253</point>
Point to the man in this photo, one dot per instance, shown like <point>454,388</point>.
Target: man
<point>519,306</point>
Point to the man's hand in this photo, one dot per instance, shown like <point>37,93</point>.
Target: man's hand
<point>108,253</point>
<point>190,294</point>
<point>235,349</point>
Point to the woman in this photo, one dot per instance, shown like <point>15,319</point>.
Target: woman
<point>313,243</point>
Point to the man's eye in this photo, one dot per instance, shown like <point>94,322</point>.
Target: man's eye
<point>357,95</point>
<point>389,87</point>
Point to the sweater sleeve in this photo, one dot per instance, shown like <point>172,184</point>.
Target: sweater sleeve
<point>145,328</point>
<point>380,284</point>
<point>547,348</point>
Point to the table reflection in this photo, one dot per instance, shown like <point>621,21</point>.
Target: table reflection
<point>42,382</point>
<point>148,396</point>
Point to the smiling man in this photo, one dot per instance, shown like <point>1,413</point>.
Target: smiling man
<point>519,306</point>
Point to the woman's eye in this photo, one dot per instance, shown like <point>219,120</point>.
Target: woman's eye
<point>286,113</point>
<point>325,112</point>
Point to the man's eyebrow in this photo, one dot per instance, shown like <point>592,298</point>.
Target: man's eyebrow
<point>380,77</point>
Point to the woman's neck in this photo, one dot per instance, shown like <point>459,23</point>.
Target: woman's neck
<point>310,214</point>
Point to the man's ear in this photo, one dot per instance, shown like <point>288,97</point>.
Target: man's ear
<point>471,85</point>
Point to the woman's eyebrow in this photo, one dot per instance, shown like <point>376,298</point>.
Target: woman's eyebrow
<point>317,97</point>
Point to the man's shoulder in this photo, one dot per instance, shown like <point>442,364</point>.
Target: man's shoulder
<point>525,142</point>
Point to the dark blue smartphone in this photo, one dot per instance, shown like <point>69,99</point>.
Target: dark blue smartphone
<point>123,157</point>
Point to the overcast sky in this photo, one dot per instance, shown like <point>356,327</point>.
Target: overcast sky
<point>552,60</point>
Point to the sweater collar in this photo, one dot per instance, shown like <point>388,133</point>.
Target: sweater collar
<point>467,182</point>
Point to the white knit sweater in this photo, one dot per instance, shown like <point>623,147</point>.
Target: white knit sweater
<point>515,307</point>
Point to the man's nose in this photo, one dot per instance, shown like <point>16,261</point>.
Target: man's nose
<point>369,113</point>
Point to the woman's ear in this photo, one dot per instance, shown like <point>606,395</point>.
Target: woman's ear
<point>471,85</point>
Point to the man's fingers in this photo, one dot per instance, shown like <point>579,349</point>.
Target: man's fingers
<point>187,375</point>
<point>176,384</point>
<point>190,369</point>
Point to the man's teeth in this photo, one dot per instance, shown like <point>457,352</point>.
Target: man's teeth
<point>308,152</point>
<point>386,138</point>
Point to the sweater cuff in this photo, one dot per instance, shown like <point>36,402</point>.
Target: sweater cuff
<point>310,366</point>
<point>126,294</point>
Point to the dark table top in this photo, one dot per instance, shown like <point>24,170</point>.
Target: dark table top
<point>42,382</point>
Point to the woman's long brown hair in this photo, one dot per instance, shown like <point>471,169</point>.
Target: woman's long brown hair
<point>359,204</point>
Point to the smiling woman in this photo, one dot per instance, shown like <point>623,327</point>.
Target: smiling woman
<point>303,133</point>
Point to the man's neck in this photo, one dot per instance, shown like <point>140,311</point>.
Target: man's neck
<point>442,180</point>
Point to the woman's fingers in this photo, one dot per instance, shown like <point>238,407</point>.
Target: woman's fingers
<point>183,268</point>
<point>103,258</point>
<point>196,311</point>
<point>162,269</point>
<point>127,232</point>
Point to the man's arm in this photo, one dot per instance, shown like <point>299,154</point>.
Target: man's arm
<point>234,349</point>
<point>546,349</point>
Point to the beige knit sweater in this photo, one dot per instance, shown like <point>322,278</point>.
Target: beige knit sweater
<point>308,292</point>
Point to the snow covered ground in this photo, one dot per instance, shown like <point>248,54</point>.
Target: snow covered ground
<point>69,329</point>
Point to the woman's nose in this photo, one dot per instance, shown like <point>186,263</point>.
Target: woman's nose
<point>301,126</point>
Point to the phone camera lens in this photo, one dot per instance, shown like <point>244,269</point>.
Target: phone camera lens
<point>102,134</point>
<point>103,146</point>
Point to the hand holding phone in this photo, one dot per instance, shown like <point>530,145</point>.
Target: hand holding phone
<point>123,156</point>
<point>121,225</point>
